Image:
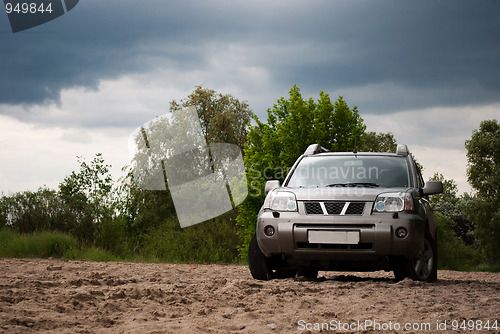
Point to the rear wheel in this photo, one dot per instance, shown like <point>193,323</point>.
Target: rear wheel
<point>423,266</point>
<point>285,273</point>
<point>308,273</point>
<point>400,269</point>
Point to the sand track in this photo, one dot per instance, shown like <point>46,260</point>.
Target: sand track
<point>39,296</point>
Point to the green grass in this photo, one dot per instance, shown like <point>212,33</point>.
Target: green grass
<point>43,244</point>
<point>493,268</point>
<point>97,254</point>
<point>206,243</point>
<point>213,242</point>
<point>48,245</point>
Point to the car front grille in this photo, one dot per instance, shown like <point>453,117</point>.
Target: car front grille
<point>334,208</point>
<point>313,208</point>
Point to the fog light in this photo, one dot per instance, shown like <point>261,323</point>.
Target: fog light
<point>401,232</point>
<point>269,230</point>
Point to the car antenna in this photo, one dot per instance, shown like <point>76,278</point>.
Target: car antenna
<point>354,149</point>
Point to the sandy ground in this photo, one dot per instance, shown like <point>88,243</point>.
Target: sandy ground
<point>38,296</point>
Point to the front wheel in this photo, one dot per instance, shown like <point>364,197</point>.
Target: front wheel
<point>266,268</point>
<point>423,266</point>
<point>257,262</point>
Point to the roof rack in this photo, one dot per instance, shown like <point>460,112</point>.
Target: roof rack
<point>402,150</point>
<point>315,149</point>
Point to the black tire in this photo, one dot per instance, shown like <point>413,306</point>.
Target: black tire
<point>308,273</point>
<point>285,273</point>
<point>258,262</point>
<point>266,268</point>
<point>423,267</point>
<point>400,269</point>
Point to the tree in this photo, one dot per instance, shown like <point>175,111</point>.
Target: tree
<point>292,125</point>
<point>483,155</point>
<point>483,172</point>
<point>449,204</point>
<point>88,198</point>
<point>28,212</point>
<point>378,142</point>
<point>223,118</point>
<point>143,210</point>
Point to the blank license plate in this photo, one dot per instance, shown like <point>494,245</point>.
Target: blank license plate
<point>333,237</point>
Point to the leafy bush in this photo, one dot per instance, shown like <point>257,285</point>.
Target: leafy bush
<point>453,253</point>
<point>215,241</point>
<point>28,212</point>
<point>113,237</point>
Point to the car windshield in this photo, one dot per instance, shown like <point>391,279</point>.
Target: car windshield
<point>348,171</point>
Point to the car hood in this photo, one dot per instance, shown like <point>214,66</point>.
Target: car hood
<point>364,194</point>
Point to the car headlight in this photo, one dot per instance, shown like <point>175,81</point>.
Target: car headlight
<point>393,202</point>
<point>282,201</point>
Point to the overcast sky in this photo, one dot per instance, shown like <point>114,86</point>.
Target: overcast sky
<point>427,71</point>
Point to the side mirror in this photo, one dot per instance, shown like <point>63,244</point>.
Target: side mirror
<point>270,185</point>
<point>432,187</point>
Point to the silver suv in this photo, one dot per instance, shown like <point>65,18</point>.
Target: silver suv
<point>350,212</point>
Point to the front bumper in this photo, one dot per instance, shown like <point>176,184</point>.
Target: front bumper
<point>376,231</point>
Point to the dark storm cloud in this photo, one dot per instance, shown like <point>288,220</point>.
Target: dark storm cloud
<point>439,52</point>
<point>444,52</point>
<point>98,40</point>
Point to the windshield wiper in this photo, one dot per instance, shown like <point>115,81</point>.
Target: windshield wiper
<point>354,184</point>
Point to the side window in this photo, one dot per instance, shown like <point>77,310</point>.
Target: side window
<point>420,179</point>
